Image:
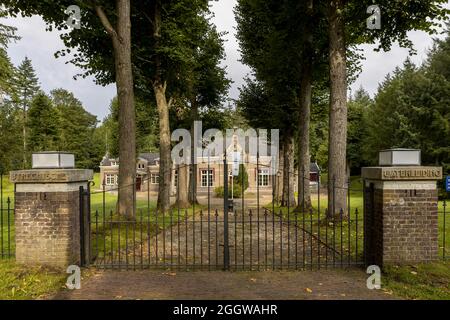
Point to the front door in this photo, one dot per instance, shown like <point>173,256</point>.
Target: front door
<point>138,183</point>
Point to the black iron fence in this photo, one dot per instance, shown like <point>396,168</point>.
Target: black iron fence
<point>254,232</point>
<point>260,230</point>
<point>7,234</point>
<point>444,229</point>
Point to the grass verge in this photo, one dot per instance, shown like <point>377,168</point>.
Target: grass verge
<point>421,282</point>
<point>27,283</point>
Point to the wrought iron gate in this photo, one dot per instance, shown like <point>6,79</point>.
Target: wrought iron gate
<point>222,233</point>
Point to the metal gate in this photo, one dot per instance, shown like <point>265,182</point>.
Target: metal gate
<point>253,232</point>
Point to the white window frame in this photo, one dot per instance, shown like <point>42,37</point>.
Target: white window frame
<point>111,179</point>
<point>263,177</point>
<point>154,178</point>
<point>204,178</point>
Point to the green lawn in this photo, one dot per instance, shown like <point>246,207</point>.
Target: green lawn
<point>7,219</point>
<point>24,283</point>
<point>424,282</point>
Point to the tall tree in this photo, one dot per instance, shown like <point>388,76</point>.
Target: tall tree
<point>207,87</point>
<point>10,143</point>
<point>11,137</point>
<point>76,129</point>
<point>7,34</point>
<point>108,29</point>
<point>176,50</point>
<point>304,119</point>
<point>347,28</point>
<point>280,50</point>
<point>358,107</point>
<point>411,111</point>
<point>121,42</point>
<point>26,87</point>
<point>337,156</point>
<point>43,124</point>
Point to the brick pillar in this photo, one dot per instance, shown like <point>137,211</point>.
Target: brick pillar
<point>47,215</point>
<point>401,214</point>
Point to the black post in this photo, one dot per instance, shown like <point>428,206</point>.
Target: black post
<point>226,249</point>
<point>443,237</point>
<point>8,222</point>
<point>87,222</point>
<point>82,247</point>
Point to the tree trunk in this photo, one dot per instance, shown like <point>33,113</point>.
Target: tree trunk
<point>165,166</point>
<point>337,150</point>
<point>182,187</point>
<point>304,159</point>
<point>121,39</point>
<point>280,176</point>
<point>288,198</point>
<point>194,175</point>
<point>159,87</point>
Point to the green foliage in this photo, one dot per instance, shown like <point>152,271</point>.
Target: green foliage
<point>42,124</point>
<point>318,133</point>
<point>398,18</point>
<point>272,52</point>
<point>58,122</point>
<point>6,74</point>
<point>357,129</point>
<point>75,132</point>
<point>185,29</point>
<point>25,84</point>
<point>411,110</point>
<point>146,128</point>
<point>7,33</point>
<point>242,179</point>
<point>237,191</point>
<point>11,137</point>
<point>240,183</point>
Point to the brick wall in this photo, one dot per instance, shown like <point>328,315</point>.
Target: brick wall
<point>47,228</point>
<point>401,226</point>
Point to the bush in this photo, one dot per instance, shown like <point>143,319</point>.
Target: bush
<point>242,178</point>
<point>237,191</point>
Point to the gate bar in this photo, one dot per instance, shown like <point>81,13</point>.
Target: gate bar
<point>82,244</point>
<point>226,249</point>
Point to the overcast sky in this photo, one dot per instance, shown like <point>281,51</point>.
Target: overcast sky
<point>40,47</point>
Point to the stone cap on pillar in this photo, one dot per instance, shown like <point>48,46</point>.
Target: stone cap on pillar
<point>51,176</point>
<point>413,173</point>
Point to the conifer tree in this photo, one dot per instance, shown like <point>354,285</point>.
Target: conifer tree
<point>26,86</point>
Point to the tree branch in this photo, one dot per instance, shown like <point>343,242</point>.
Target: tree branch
<point>105,21</point>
